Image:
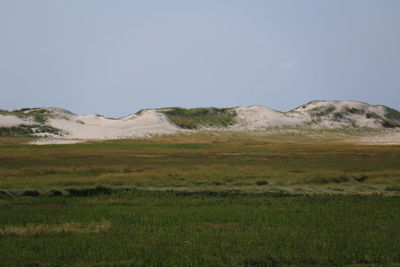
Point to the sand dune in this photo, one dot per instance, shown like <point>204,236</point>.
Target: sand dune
<point>62,126</point>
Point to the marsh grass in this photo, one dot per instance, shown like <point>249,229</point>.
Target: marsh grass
<point>200,162</point>
<point>200,200</point>
<point>170,228</point>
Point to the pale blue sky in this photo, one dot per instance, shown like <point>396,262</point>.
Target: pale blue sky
<point>115,57</point>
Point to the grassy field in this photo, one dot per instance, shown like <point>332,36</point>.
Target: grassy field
<point>203,162</point>
<point>199,200</point>
<point>199,229</point>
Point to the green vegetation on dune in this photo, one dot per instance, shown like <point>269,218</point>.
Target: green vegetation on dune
<point>352,110</point>
<point>370,115</point>
<point>39,115</point>
<point>6,112</point>
<point>390,123</point>
<point>200,117</point>
<point>392,114</point>
<point>392,119</point>
<point>322,111</point>
<point>27,130</point>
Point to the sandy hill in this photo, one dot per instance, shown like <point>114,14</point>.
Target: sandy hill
<point>322,114</point>
<point>63,124</point>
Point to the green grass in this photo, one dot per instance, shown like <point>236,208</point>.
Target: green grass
<point>200,117</point>
<point>200,200</point>
<point>142,228</point>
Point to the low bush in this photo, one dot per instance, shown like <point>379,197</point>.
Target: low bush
<point>262,182</point>
<point>352,110</point>
<point>55,193</point>
<point>327,180</point>
<point>390,123</point>
<point>392,114</point>
<point>85,192</point>
<point>370,115</point>
<point>5,192</point>
<point>322,111</point>
<point>393,188</point>
<point>361,178</point>
<point>30,193</point>
<point>337,116</point>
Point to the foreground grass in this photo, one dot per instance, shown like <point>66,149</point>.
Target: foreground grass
<point>142,228</point>
<point>200,200</point>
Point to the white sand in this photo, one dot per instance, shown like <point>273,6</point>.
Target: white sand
<point>77,128</point>
<point>253,117</point>
<point>93,126</point>
<point>10,121</point>
<point>57,141</point>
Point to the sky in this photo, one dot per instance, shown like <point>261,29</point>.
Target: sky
<point>116,57</point>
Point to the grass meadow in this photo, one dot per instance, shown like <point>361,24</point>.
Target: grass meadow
<point>200,200</point>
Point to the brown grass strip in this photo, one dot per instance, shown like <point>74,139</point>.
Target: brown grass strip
<point>42,229</point>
